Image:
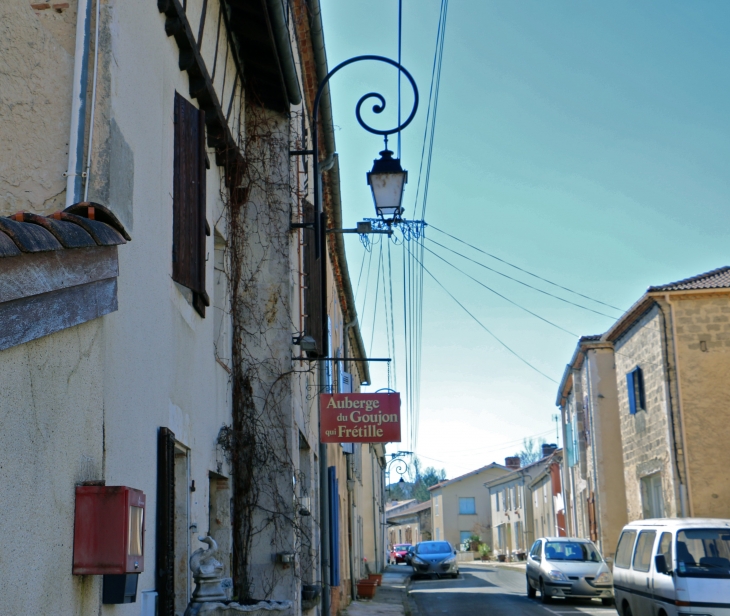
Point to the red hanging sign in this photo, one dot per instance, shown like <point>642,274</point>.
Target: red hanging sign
<point>359,418</point>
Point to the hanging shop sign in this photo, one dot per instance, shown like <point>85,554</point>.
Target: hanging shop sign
<point>359,418</point>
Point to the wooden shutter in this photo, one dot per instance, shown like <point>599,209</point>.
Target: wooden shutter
<point>631,392</point>
<point>188,197</point>
<point>313,285</point>
<point>592,526</point>
<point>165,536</point>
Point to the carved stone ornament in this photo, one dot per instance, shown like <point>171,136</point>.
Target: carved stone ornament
<point>210,598</point>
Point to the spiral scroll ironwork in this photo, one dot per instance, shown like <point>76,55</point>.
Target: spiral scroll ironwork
<point>399,465</point>
<point>379,107</point>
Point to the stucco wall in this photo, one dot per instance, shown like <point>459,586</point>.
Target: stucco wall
<point>51,438</point>
<point>36,66</point>
<point>646,435</point>
<point>702,325</point>
<point>605,459</point>
<point>452,522</point>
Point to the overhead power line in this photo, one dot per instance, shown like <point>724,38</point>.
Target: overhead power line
<point>529,286</point>
<point>484,327</point>
<point>517,267</point>
<point>507,299</point>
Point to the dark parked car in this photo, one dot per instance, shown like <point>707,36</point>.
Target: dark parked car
<point>399,553</point>
<point>435,558</point>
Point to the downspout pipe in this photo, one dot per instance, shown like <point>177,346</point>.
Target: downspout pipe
<point>75,169</point>
<point>351,521</point>
<point>280,30</point>
<point>320,61</point>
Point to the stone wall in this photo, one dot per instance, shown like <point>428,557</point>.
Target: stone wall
<point>702,326</point>
<point>646,435</point>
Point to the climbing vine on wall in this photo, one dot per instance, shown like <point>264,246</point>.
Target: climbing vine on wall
<point>260,442</point>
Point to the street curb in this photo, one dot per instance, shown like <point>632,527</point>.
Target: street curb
<point>409,604</point>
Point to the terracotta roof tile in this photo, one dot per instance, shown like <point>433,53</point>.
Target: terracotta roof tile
<point>715,279</point>
<point>82,225</point>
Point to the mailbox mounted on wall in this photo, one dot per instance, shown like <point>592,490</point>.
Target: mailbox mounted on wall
<point>108,530</point>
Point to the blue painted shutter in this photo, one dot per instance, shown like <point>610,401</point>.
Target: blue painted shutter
<point>569,442</point>
<point>632,392</point>
<point>334,509</point>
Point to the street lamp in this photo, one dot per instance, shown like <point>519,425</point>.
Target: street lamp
<point>390,204</point>
<point>387,181</point>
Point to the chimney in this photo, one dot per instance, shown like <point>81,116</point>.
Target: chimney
<point>513,463</point>
<point>548,449</point>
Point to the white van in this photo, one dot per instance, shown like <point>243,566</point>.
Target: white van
<point>673,567</point>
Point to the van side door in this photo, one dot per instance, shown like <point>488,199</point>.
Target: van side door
<point>663,583</point>
<point>622,573</point>
<point>641,577</point>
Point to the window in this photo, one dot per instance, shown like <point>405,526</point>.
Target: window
<point>464,538</point>
<point>517,497</point>
<point>624,549</point>
<point>503,495</point>
<point>436,506</point>
<point>189,226</point>
<point>496,501</point>
<point>665,548</point>
<point>518,535</point>
<point>467,506</point>
<point>703,552</point>
<point>652,499</point>
<point>536,549</point>
<point>438,534</point>
<point>642,556</point>
<point>635,385</point>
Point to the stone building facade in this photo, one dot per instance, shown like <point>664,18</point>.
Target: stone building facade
<point>644,411</point>
<point>672,419</point>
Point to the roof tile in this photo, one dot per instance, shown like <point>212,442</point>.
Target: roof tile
<point>715,279</point>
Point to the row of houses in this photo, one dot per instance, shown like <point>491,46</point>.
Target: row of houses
<point>645,409</point>
<point>505,506</point>
<point>158,279</point>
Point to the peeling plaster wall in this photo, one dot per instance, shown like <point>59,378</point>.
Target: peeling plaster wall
<point>51,438</point>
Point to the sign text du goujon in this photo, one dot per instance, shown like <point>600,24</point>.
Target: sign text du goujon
<point>360,418</point>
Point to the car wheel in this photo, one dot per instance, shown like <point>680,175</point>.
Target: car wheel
<point>543,595</point>
<point>627,610</point>
<point>455,576</point>
<point>531,592</point>
<point>608,601</point>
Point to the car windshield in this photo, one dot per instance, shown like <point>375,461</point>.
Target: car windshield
<point>402,548</point>
<point>571,550</point>
<point>434,547</point>
<point>703,552</point>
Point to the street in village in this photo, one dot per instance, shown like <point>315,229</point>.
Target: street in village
<point>481,588</point>
<point>274,321</point>
<point>493,589</point>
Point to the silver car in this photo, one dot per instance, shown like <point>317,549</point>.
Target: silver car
<point>568,567</point>
<point>434,558</point>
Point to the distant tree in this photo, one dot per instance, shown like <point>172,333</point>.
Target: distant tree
<point>423,479</point>
<point>531,451</point>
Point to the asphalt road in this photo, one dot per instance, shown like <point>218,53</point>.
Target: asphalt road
<point>497,591</point>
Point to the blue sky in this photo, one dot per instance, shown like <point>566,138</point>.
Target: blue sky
<point>587,142</point>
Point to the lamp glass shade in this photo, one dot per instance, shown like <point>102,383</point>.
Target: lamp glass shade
<point>387,180</point>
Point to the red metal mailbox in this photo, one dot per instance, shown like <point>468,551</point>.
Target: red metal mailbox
<point>109,530</point>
